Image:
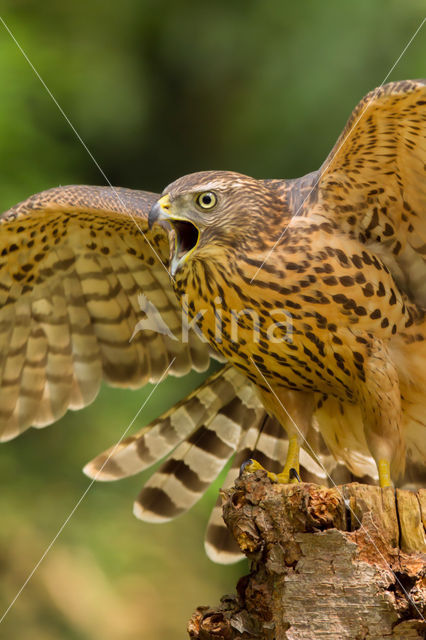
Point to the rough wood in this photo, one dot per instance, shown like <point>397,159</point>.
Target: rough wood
<point>346,563</point>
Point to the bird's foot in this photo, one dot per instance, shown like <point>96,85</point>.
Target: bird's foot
<point>287,475</point>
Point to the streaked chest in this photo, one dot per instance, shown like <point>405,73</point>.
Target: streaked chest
<point>292,319</point>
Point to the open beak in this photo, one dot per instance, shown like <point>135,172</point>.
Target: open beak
<point>187,234</point>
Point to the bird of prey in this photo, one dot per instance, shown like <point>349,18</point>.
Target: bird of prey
<point>339,253</point>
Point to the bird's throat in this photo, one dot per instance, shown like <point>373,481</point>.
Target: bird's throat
<point>187,236</point>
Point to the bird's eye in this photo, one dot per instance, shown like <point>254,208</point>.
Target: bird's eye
<point>206,200</point>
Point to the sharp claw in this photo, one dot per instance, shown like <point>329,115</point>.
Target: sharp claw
<point>294,474</point>
<point>245,464</point>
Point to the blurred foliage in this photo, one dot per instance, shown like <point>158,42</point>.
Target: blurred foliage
<point>155,89</point>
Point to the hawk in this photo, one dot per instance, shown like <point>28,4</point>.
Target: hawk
<point>340,253</point>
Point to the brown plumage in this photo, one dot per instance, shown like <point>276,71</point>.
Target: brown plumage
<point>313,289</point>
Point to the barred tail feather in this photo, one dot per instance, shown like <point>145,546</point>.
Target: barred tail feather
<point>219,543</point>
<point>183,478</point>
<point>152,443</point>
<point>224,417</point>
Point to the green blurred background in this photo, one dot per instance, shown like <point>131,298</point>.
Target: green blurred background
<point>156,89</point>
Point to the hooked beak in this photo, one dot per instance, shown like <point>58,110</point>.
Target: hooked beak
<point>159,211</point>
<point>187,234</point>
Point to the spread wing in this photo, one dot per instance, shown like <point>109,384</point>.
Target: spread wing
<point>372,186</point>
<point>74,262</point>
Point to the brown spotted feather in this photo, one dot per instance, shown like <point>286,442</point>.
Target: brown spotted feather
<point>73,261</point>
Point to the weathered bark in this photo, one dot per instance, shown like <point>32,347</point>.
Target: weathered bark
<point>326,564</point>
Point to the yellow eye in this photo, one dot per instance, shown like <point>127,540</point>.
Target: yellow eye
<point>206,200</point>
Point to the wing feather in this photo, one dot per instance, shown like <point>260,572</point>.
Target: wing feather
<point>73,261</point>
<point>372,186</point>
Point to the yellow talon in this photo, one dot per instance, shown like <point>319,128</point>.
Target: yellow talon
<point>251,466</point>
<point>383,467</point>
<point>290,473</point>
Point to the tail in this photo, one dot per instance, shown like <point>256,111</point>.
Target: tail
<point>197,438</point>
<point>223,418</point>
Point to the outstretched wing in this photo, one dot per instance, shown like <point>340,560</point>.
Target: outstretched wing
<point>73,261</point>
<point>372,186</point>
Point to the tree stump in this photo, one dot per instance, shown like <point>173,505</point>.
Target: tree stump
<point>347,563</point>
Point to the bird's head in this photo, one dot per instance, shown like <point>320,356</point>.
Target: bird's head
<point>210,210</point>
